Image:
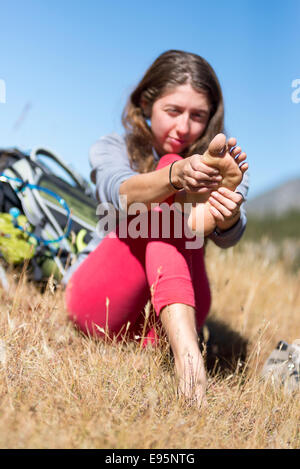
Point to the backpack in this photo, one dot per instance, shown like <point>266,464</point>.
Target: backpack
<point>47,212</point>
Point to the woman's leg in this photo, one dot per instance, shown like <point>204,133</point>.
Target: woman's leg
<point>181,297</point>
<point>111,287</point>
<point>175,272</point>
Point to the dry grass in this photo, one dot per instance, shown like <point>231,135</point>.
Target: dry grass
<point>60,389</point>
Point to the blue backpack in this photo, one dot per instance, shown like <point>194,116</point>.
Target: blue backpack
<point>46,205</point>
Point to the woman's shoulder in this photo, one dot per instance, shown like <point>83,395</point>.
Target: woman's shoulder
<point>110,140</point>
<point>109,155</point>
<point>113,139</point>
<point>112,146</point>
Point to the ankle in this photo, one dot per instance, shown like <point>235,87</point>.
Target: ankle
<point>191,375</point>
<point>189,362</point>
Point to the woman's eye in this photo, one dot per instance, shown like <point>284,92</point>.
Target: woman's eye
<point>198,117</point>
<point>173,112</point>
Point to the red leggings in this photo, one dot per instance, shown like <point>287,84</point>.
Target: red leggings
<point>113,284</point>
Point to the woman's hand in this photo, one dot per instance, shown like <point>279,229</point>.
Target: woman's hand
<point>225,207</point>
<point>195,176</point>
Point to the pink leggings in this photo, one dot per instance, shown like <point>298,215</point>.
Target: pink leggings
<point>113,284</point>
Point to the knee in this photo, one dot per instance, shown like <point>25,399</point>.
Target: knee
<point>173,289</point>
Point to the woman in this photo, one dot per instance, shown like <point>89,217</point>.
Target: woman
<point>174,115</point>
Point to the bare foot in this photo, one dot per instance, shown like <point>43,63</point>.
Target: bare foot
<point>219,156</point>
<point>179,323</point>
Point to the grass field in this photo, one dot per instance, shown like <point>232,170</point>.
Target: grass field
<point>60,389</point>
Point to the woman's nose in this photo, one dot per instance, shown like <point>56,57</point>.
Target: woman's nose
<point>183,126</point>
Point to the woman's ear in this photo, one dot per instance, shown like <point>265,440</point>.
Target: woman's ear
<point>146,108</point>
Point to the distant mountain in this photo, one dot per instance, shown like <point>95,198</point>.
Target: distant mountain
<point>277,201</point>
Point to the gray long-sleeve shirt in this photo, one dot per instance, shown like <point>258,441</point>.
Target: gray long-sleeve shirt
<point>110,167</point>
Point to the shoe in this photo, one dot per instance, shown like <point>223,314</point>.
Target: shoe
<point>292,383</point>
<point>282,367</point>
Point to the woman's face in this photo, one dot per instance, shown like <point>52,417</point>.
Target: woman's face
<point>178,119</point>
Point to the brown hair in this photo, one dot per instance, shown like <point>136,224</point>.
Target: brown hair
<point>170,69</point>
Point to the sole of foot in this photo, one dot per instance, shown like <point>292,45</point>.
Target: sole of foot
<point>228,158</point>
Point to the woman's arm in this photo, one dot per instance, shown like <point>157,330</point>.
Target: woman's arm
<point>154,187</point>
<point>113,176</point>
<point>147,188</point>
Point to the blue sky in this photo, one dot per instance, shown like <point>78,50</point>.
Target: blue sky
<point>69,65</point>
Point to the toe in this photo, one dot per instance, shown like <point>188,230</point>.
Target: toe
<point>241,157</point>
<point>235,151</point>
<point>231,142</point>
<point>217,145</point>
<point>244,167</point>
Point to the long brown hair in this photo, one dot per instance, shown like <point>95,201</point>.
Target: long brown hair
<point>170,69</point>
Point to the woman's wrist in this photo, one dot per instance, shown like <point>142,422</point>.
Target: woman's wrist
<point>227,224</point>
<point>174,175</point>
